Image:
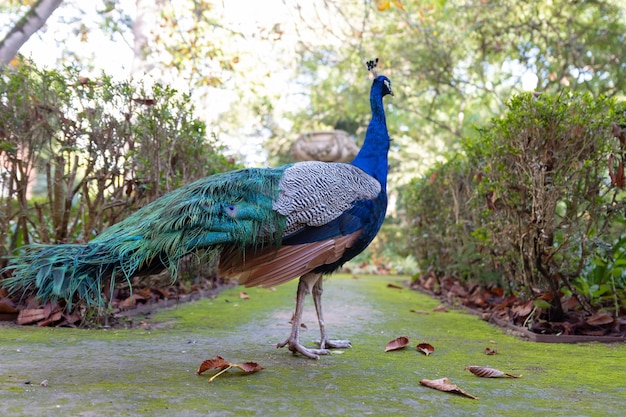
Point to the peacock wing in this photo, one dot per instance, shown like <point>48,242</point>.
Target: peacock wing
<point>314,194</point>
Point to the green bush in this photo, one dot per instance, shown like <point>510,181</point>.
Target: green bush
<point>525,201</point>
<point>78,155</point>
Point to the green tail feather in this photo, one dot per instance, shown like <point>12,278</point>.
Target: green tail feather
<point>234,208</point>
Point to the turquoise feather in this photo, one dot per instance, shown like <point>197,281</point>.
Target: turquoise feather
<point>233,208</point>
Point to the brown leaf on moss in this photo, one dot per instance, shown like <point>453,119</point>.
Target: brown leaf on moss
<point>485,372</point>
<point>425,348</point>
<point>220,363</point>
<point>244,295</point>
<point>249,367</point>
<point>397,344</point>
<point>489,351</point>
<point>440,309</point>
<point>216,363</point>
<point>444,384</point>
<point>394,286</point>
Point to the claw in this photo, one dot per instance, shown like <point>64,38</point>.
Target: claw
<point>334,344</point>
<point>296,347</point>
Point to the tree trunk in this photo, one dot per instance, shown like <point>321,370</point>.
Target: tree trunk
<point>30,23</point>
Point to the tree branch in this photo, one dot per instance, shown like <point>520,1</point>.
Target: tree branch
<point>30,23</point>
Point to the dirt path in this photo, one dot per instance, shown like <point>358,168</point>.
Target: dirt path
<point>151,371</point>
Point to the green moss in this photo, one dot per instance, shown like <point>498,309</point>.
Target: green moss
<point>141,372</point>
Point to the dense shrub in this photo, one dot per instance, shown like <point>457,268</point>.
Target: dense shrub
<point>527,201</point>
<point>78,155</point>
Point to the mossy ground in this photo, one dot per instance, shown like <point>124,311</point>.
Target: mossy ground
<point>151,371</point>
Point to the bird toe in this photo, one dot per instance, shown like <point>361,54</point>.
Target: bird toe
<point>334,344</point>
<point>295,347</point>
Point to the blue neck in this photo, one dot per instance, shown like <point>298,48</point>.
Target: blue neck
<point>372,158</point>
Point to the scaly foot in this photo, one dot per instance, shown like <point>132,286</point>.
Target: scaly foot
<point>334,344</point>
<point>295,347</point>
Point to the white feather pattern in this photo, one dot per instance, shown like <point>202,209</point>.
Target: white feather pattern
<point>315,193</point>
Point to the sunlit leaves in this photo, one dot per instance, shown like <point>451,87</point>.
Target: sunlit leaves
<point>383,5</point>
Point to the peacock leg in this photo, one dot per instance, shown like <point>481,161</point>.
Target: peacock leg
<point>306,283</point>
<point>324,342</point>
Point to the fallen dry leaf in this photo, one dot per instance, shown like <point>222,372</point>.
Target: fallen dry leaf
<point>425,348</point>
<point>523,310</point>
<point>485,372</point>
<point>130,302</point>
<point>440,309</point>
<point>31,315</point>
<point>489,351</point>
<point>394,286</point>
<point>54,317</point>
<point>6,306</point>
<point>249,367</point>
<point>444,384</point>
<point>397,344</point>
<point>244,295</point>
<point>216,363</point>
<point>220,363</point>
<point>599,319</point>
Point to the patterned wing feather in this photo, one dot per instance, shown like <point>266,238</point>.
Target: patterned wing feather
<point>313,194</point>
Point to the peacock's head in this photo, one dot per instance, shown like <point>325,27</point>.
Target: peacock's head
<point>381,79</point>
<point>386,85</point>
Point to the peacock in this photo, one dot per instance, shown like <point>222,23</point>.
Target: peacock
<point>265,226</point>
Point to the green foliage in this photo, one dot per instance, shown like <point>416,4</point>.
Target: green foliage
<point>603,280</point>
<point>78,155</point>
<point>526,200</point>
<point>445,233</point>
<point>453,65</point>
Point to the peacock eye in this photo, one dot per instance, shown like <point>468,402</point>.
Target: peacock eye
<point>231,210</point>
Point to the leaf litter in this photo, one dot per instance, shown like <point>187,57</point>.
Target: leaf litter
<point>223,365</point>
<point>397,344</point>
<point>425,348</point>
<point>444,384</point>
<point>486,372</point>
